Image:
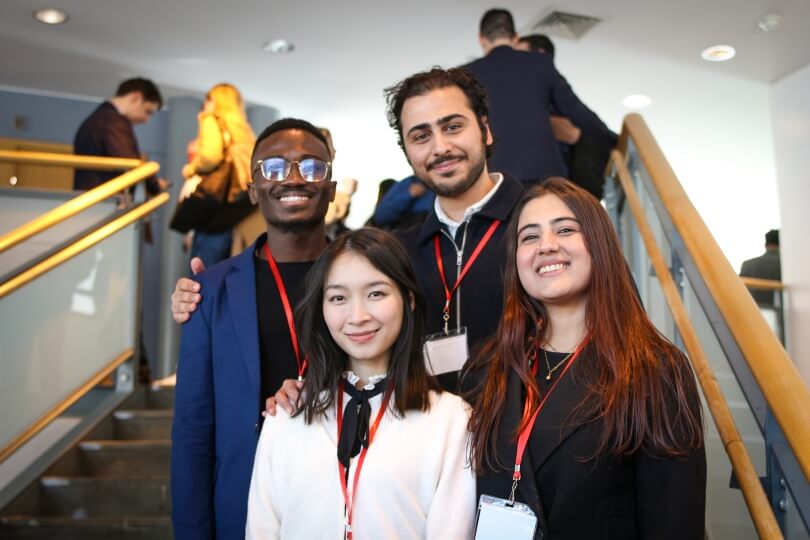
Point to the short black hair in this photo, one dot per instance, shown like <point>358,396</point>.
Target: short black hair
<point>539,43</point>
<point>292,123</point>
<point>772,237</point>
<point>497,23</point>
<point>421,83</point>
<point>146,88</point>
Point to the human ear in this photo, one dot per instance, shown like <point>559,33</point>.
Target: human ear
<point>411,300</point>
<point>254,200</point>
<point>485,122</point>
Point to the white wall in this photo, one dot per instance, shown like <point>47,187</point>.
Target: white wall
<point>791,122</point>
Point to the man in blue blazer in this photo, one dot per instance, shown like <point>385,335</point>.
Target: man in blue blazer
<point>238,347</point>
<point>523,88</point>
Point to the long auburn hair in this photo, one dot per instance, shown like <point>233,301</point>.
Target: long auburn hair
<point>327,361</point>
<point>639,375</point>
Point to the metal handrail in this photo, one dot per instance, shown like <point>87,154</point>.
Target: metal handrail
<point>78,204</point>
<point>785,392</point>
<point>97,163</point>
<point>82,244</point>
<point>757,502</point>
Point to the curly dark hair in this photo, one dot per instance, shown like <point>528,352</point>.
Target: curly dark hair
<point>422,83</point>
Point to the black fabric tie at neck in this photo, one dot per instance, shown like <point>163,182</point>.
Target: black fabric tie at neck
<point>356,417</point>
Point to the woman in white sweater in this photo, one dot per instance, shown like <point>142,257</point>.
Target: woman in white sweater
<point>376,450</point>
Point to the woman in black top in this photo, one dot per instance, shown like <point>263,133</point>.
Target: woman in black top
<point>616,450</point>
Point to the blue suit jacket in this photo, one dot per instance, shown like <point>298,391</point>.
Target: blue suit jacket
<point>218,403</point>
<point>523,88</point>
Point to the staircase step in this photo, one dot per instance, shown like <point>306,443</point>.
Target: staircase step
<point>82,498</point>
<point>125,458</point>
<point>143,424</point>
<point>133,528</point>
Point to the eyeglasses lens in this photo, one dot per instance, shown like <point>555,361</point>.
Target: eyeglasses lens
<point>310,169</point>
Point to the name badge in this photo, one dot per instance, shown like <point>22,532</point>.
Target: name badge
<point>498,519</point>
<point>445,353</point>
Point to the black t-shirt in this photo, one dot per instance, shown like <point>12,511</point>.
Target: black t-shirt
<point>278,361</point>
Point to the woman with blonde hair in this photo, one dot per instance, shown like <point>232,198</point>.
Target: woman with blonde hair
<point>224,132</point>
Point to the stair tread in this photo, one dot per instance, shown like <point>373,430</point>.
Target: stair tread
<point>29,520</point>
<point>54,480</point>
<point>123,444</point>
<point>127,414</point>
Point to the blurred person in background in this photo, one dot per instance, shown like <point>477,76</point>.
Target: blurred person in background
<point>223,131</point>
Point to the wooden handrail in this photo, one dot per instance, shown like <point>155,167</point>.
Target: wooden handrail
<point>70,160</point>
<point>762,284</point>
<point>78,204</point>
<point>82,244</point>
<point>787,395</point>
<point>744,470</point>
<point>64,405</point>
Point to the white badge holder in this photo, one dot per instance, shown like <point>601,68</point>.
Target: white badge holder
<point>498,519</point>
<point>446,352</point>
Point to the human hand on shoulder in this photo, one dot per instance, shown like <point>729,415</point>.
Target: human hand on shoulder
<point>186,297</point>
<point>288,397</point>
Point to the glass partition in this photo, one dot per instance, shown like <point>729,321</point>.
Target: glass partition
<point>64,327</point>
<point>20,206</point>
<point>726,513</point>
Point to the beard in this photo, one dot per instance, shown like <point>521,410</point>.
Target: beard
<point>476,168</point>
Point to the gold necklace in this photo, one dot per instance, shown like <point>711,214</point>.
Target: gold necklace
<point>553,369</point>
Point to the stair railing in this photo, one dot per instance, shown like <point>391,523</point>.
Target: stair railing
<point>688,264</point>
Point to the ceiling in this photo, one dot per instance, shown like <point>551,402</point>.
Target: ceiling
<point>346,52</point>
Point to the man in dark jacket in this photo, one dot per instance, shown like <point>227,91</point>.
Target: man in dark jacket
<point>108,132</point>
<point>441,118</point>
<point>766,266</point>
<point>523,88</point>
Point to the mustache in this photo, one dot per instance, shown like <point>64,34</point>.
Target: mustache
<point>439,160</point>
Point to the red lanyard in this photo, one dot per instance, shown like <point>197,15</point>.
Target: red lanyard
<point>285,301</point>
<point>448,293</point>
<point>349,501</point>
<point>523,439</point>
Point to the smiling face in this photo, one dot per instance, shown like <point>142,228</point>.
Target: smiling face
<point>444,142</point>
<point>363,310</point>
<point>552,260</point>
<point>292,204</point>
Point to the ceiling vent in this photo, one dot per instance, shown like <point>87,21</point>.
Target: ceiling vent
<point>562,24</point>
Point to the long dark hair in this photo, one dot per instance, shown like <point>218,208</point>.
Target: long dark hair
<point>639,375</point>
<point>327,361</point>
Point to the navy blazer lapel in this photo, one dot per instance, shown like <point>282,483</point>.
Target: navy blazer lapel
<point>241,287</point>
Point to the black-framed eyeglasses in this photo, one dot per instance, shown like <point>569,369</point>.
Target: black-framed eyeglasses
<point>277,169</point>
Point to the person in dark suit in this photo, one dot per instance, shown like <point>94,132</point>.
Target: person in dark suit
<point>108,132</point>
<point>241,343</point>
<point>615,445</point>
<point>766,266</point>
<point>586,155</point>
<point>523,88</point>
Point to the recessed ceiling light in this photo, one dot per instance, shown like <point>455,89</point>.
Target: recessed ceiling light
<point>636,101</point>
<point>279,46</point>
<point>718,53</point>
<point>50,16</point>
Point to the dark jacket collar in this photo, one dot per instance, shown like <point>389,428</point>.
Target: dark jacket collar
<point>500,207</point>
